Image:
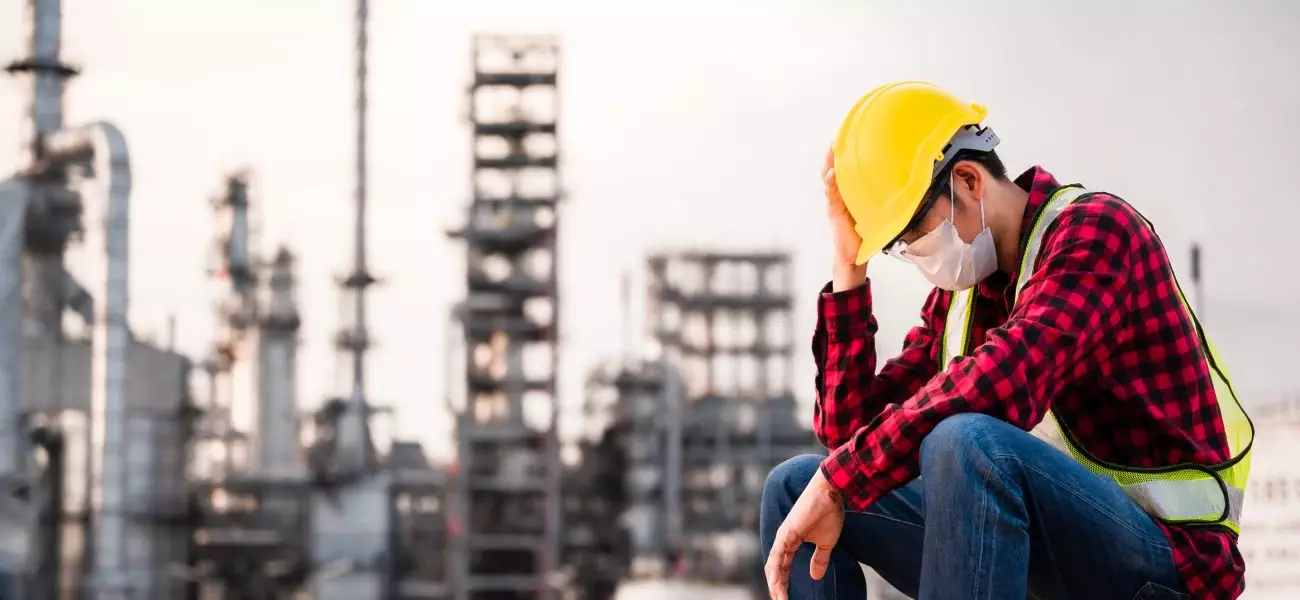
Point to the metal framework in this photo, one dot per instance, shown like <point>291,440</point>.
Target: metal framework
<point>233,264</point>
<point>355,452</point>
<point>596,544</point>
<point>509,456</point>
<point>627,428</point>
<point>725,320</point>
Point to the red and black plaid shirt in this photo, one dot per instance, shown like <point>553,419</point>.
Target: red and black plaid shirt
<point>1099,335</point>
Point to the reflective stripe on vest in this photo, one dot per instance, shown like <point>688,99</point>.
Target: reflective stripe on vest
<point>1181,494</point>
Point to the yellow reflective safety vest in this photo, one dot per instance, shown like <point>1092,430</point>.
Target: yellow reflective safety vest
<point>1185,494</point>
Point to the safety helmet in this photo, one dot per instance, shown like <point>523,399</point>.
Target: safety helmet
<point>888,150</point>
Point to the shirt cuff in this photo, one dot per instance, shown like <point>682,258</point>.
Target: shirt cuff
<point>844,473</point>
<point>846,313</point>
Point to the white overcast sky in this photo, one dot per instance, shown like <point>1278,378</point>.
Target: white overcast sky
<point>683,123</point>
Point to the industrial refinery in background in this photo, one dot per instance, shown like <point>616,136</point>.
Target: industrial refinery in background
<point>124,476</point>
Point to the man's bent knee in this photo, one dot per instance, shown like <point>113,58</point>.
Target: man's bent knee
<point>962,437</point>
<point>787,480</point>
<point>783,486</point>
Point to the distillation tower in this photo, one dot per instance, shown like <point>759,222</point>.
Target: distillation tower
<point>98,408</point>
<point>509,456</point>
<point>248,486</point>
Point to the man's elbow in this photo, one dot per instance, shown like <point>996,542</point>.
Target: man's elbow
<point>826,441</point>
<point>832,437</point>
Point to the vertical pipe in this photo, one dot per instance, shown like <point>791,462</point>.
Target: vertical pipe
<point>457,559</point>
<point>105,146</point>
<point>45,113</point>
<point>13,441</point>
<point>553,520</point>
<point>42,269</point>
<point>462,512</point>
<point>359,259</point>
<point>672,387</point>
<point>13,207</point>
<point>672,403</point>
<point>277,428</point>
<point>277,347</point>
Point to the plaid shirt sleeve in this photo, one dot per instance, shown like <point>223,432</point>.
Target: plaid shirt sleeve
<point>849,391</point>
<point>1075,296</point>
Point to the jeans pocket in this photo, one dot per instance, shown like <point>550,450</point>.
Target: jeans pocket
<point>1155,591</point>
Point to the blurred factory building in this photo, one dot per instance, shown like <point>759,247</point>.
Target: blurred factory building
<point>124,476</point>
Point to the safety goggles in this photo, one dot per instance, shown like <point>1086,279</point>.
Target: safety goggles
<point>971,137</point>
<point>897,248</point>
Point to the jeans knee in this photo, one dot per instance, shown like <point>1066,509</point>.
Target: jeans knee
<point>783,486</point>
<point>959,438</point>
<point>787,480</point>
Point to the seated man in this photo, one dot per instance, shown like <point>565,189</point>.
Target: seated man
<point>1058,426</point>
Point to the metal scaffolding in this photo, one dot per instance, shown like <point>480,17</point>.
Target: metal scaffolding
<point>126,397</point>
<point>233,264</point>
<point>596,544</point>
<point>624,412</point>
<point>419,533</point>
<point>725,320</point>
<point>509,456</point>
<point>245,526</point>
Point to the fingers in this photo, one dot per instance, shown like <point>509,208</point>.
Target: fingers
<point>833,199</point>
<point>835,206</point>
<point>777,569</point>
<point>772,571</point>
<point>821,561</point>
<point>828,175</point>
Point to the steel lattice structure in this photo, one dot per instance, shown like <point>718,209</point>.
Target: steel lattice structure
<point>509,458</point>
<point>725,320</point>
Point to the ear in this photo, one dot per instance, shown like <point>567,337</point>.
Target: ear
<point>968,180</point>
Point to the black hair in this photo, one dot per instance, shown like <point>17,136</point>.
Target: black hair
<point>986,158</point>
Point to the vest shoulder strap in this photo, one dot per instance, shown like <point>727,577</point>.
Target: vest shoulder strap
<point>1047,215</point>
<point>955,340</point>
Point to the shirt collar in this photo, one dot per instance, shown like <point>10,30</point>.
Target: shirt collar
<point>1040,184</point>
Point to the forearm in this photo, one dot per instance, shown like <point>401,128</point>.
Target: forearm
<point>849,391</point>
<point>846,376</point>
<point>845,276</point>
<point>882,455</point>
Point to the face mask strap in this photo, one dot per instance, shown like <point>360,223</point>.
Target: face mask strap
<point>952,198</point>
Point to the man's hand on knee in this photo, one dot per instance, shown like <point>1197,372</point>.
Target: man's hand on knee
<point>817,517</point>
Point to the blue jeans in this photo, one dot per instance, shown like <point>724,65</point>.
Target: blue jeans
<point>996,514</point>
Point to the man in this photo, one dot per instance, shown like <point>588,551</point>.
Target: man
<point>1055,312</point>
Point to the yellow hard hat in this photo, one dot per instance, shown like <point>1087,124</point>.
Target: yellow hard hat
<point>888,150</point>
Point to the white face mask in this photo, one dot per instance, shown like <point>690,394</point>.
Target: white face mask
<point>947,261</point>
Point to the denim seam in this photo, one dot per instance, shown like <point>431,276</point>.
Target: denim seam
<point>979,560</point>
<point>890,519</point>
<point>1084,498</point>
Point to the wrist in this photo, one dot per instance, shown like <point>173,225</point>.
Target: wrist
<point>847,276</point>
<point>826,489</point>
